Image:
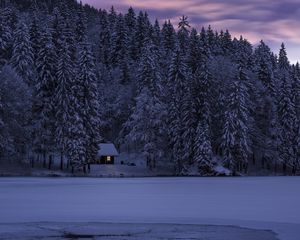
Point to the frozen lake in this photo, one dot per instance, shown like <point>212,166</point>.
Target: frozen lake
<point>265,203</point>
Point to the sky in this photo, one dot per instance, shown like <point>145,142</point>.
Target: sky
<point>274,21</point>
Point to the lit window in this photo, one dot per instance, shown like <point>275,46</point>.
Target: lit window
<point>109,158</point>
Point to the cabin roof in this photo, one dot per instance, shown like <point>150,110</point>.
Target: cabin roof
<point>107,149</point>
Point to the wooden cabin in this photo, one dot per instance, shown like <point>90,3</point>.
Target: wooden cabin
<point>107,154</point>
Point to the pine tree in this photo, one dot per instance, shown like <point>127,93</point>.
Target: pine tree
<point>146,128</point>
<point>35,35</point>
<point>265,105</point>
<point>189,125</point>
<point>104,40</point>
<point>203,150</point>
<point>88,100</point>
<point>63,98</point>
<point>202,89</point>
<point>22,58</point>
<point>81,25</point>
<point>226,43</point>
<point>131,22</point>
<point>286,112</point>
<point>149,70</point>
<point>235,140</point>
<point>5,38</point>
<point>264,68</point>
<point>210,38</point>
<point>44,91</point>
<point>183,33</point>
<point>119,42</point>
<point>142,32</point>
<point>156,34</point>
<point>194,52</point>
<point>168,38</point>
<point>177,85</point>
<point>15,106</point>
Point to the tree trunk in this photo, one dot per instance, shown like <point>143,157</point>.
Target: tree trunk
<point>38,159</point>
<point>294,170</point>
<point>253,159</point>
<point>284,168</point>
<point>246,168</point>
<point>50,162</point>
<point>44,159</point>
<point>61,161</point>
<point>89,167</point>
<point>32,162</point>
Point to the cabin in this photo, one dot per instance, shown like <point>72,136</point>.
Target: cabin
<point>107,154</point>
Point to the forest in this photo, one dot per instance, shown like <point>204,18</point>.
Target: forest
<point>72,76</point>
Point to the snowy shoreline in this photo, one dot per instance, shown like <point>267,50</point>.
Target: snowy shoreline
<point>129,231</point>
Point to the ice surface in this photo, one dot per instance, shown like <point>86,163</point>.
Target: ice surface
<point>268,203</point>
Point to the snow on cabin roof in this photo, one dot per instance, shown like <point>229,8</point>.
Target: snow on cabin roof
<point>107,149</point>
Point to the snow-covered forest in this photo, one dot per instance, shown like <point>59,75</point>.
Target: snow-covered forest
<point>72,76</point>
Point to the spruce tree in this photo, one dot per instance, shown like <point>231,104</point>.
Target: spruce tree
<point>177,87</point>
<point>119,42</point>
<point>44,90</point>
<point>183,33</point>
<point>104,39</point>
<point>81,24</point>
<point>203,149</point>
<point>5,38</point>
<point>286,111</point>
<point>146,127</point>
<point>63,98</point>
<point>88,99</point>
<point>35,35</point>
<point>235,140</point>
<point>168,38</point>
<point>22,58</point>
<point>149,69</point>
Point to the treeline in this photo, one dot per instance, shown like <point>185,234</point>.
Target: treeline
<point>73,76</point>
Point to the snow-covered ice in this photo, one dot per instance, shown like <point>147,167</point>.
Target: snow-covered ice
<point>265,203</point>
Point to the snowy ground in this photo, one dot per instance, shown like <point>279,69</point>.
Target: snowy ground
<point>60,207</point>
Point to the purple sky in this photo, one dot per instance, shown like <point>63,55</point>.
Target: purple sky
<point>275,21</point>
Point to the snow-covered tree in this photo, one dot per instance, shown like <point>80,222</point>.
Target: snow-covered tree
<point>5,38</point>
<point>286,112</point>
<point>178,78</point>
<point>183,33</point>
<point>14,114</point>
<point>119,41</point>
<point>88,100</point>
<point>169,39</point>
<point>235,140</point>
<point>22,58</point>
<point>146,127</point>
<point>203,149</point>
<point>43,115</point>
<point>63,98</point>
<point>149,70</point>
<point>81,24</point>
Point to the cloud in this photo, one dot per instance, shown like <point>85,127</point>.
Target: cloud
<point>274,21</point>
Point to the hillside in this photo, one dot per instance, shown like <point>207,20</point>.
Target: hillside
<point>73,76</point>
